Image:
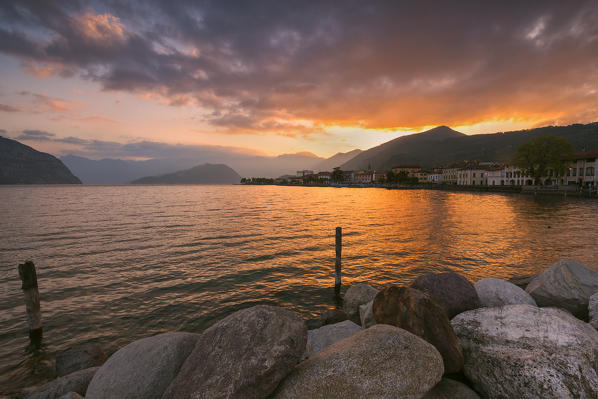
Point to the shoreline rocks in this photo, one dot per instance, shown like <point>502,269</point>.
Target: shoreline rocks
<point>509,348</point>
<point>366,314</point>
<point>495,292</point>
<point>77,382</point>
<point>522,351</point>
<point>451,389</point>
<point>323,337</point>
<point>450,290</point>
<point>356,296</point>
<point>416,312</point>
<point>566,284</point>
<point>142,369</point>
<point>244,355</point>
<point>380,362</point>
<point>79,357</point>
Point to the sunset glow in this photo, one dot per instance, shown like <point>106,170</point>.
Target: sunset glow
<point>286,77</point>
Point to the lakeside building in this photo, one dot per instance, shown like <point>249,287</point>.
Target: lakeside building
<point>435,178</point>
<point>379,176</point>
<point>301,173</point>
<point>472,177</point>
<point>422,176</point>
<point>582,170</point>
<point>363,177</point>
<point>325,176</point>
<point>348,176</point>
<point>411,170</point>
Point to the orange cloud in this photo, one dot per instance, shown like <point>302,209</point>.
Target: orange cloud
<point>45,103</point>
<point>97,118</point>
<point>100,27</point>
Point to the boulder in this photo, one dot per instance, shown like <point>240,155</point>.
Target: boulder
<point>451,389</point>
<point>330,316</point>
<point>593,310</point>
<point>366,314</point>
<point>418,313</point>
<point>74,382</point>
<point>566,284</point>
<point>523,280</point>
<point>522,351</point>
<point>142,369</point>
<point>79,357</point>
<point>380,362</point>
<point>323,337</point>
<point>71,395</point>
<point>495,292</point>
<point>245,355</point>
<point>451,290</point>
<point>355,296</point>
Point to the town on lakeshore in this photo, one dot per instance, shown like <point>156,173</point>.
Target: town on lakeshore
<point>579,175</point>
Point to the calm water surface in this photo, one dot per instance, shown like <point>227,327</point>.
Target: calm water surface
<point>118,263</point>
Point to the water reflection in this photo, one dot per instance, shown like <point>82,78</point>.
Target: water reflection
<point>120,263</point>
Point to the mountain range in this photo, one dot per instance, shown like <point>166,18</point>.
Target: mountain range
<point>119,171</point>
<point>443,146</point>
<point>21,164</point>
<point>201,174</point>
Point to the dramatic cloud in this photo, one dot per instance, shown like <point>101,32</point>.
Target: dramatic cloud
<point>295,67</point>
<point>8,108</point>
<point>36,135</point>
<point>139,149</point>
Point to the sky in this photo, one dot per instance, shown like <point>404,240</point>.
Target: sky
<point>98,78</point>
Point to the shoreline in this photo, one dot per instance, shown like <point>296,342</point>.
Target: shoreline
<point>532,190</point>
<point>448,323</point>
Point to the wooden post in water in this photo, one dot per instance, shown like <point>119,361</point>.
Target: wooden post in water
<point>337,263</point>
<point>34,317</point>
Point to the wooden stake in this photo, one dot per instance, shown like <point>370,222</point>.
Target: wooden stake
<point>337,264</point>
<point>34,317</point>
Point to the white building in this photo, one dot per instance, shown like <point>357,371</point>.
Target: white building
<point>301,173</point>
<point>582,171</point>
<point>435,178</point>
<point>472,177</point>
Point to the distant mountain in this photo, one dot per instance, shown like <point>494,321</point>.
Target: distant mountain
<point>201,174</point>
<point>21,164</point>
<point>118,171</point>
<point>336,160</point>
<point>443,146</point>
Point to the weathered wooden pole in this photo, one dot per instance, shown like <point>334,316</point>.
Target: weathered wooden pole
<point>34,316</point>
<point>337,263</point>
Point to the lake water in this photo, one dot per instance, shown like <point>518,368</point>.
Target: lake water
<point>118,263</point>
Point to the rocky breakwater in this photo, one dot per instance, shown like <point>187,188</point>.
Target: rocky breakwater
<point>488,340</point>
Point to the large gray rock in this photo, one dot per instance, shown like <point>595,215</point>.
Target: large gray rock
<point>71,395</point>
<point>75,382</point>
<point>380,362</point>
<point>355,296</point>
<point>451,290</point>
<point>330,316</point>
<point>323,337</point>
<point>79,357</point>
<point>566,284</point>
<point>418,313</point>
<point>451,389</point>
<point>496,292</point>
<point>142,369</point>
<point>245,355</point>
<point>593,310</point>
<point>366,314</point>
<point>523,280</point>
<point>521,351</point>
